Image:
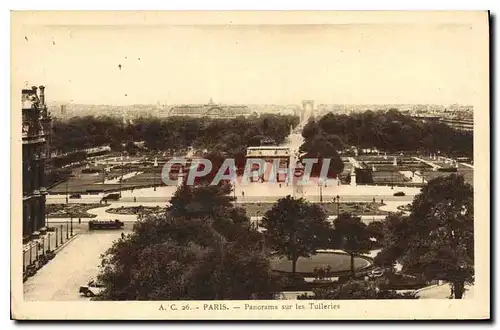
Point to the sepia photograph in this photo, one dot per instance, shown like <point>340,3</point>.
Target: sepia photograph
<point>250,165</point>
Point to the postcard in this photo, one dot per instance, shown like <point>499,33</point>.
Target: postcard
<point>250,165</point>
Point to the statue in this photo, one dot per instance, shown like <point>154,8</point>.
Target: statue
<point>353,177</point>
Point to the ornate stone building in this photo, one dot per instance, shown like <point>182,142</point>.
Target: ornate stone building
<point>210,110</point>
<point>36,127</point>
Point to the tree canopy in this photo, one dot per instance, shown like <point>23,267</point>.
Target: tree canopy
<point>228,136</point>
<point>295,228</point>
<point>201,248</point>
<point>353,236</point>
<point>437,239</point>
<point>387,131</point>
<point>317,144</point>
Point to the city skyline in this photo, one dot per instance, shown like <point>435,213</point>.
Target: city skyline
<point>252,64</point>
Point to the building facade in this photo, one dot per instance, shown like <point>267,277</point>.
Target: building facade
<point>36,126</point>
<point>307,110</point>
<point>276,161</point>
<point>210,110</point>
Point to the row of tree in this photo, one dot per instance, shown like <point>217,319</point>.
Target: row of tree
<point>204,247</point>
<point>389,131</point>
<point>230,136</point>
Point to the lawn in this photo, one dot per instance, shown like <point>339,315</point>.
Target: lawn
<point>82,182</point>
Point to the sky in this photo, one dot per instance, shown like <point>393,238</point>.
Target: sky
<point>250,64</point>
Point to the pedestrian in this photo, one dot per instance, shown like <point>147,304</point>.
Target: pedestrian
<point>79,221</point>
<point>123,235</point>
<point>381,201</point>
<point>280,185</point>
<point>135,199</point>
<point>242,193</point>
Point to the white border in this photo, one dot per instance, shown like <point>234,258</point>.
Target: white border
<point>213,5</point>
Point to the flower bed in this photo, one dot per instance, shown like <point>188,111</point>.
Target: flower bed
<point>136,210</point>
<point>71,210</point>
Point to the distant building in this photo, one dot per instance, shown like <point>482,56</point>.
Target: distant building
<point>425,118</point>
<point>210,110</point>
<point>459,124</point>
<point>35,138</point>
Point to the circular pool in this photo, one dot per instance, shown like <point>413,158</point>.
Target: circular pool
<point>340,263</point>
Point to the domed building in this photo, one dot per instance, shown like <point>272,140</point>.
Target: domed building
<point>211,110</point>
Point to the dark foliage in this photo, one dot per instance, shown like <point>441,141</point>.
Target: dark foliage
<point>437,240</point>
<point>388,131</point>
<point>202,248</point>
<point>227,136</point>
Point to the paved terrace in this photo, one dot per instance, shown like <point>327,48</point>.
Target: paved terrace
<point>261,192</point>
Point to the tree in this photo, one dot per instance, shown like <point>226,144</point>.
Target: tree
<point>396,229</point>
<point>443,247</point>
<point>206,253</point>
<point>354,236</point>
<point>295,228</point>
<point>200,201</point>
<point>131,148</point>
<point>321,147</point>
<point>438,241</point>
<point>116,146</point>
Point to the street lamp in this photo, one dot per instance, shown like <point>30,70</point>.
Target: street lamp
<point>61,235</point>
<point>320,184</point>
<point>57,244</point>
<point>121,178</point>
<point>71,227</point>
<point>67,230</point>
<point>338,206</point>
<point>67,199</point>
<point>154,176</point>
